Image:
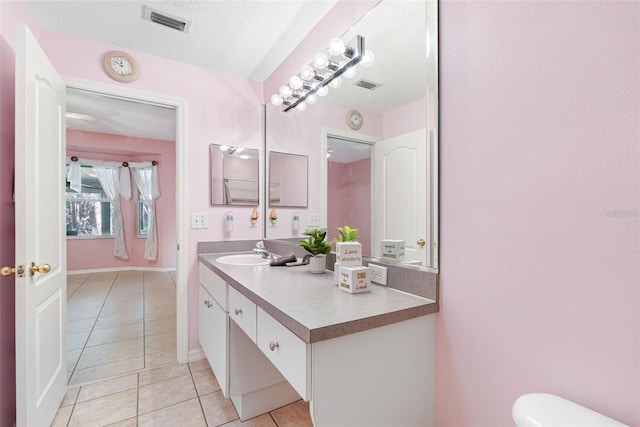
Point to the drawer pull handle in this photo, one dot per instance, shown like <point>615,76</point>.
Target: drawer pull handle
<point>273,346</point>
<point>207,303</point>
<point>238,311</point>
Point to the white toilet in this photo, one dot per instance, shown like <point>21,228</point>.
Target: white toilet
<point>546,410</point>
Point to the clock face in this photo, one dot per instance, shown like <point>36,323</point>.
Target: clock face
<point>121,67</point>
<point>354,119</point>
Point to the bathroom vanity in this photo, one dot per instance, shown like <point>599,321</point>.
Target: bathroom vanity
<point>273,335</point>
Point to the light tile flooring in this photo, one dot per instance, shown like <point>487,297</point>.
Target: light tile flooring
<point>121,326</point>
<point>119,322</point>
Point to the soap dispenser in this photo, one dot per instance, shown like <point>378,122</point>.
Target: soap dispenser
<point>295,222</point>
<point>228,222</point>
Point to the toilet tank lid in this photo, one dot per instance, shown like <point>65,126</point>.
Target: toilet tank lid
<point>542,409</point>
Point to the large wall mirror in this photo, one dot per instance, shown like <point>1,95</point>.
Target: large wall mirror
<point>381,174</point>
<point>234,173</point>
<point>288,180</point>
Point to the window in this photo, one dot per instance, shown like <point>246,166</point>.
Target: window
<point>143,217</point>
<point>89,213</point>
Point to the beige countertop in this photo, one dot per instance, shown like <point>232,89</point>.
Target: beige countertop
<point>311,307</point>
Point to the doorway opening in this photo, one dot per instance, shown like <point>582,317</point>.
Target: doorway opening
<point>136,316</point>
<point>346,177</point>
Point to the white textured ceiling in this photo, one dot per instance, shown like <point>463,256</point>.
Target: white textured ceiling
<point>248,39</point>
<point>245,38</point>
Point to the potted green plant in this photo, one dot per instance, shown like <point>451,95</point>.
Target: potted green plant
<point>347,234</point>
<point>317,247</point>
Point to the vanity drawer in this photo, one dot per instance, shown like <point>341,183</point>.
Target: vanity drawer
<point>287,352</point>
<point>243,312</point>
<point>215,285</point>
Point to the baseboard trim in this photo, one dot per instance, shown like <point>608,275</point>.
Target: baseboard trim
<point>116,269</point>
<point>195,355</point>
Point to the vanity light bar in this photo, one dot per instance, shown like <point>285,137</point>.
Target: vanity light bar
<point>325,68</point>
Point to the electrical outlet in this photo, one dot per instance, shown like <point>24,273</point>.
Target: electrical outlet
<point>200,220</point>
<point>378,274</point>
<point>314,220</point>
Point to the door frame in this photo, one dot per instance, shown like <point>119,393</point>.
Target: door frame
<point>182,231</point>
<point>328,132</point>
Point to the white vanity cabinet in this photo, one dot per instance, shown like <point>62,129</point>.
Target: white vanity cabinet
<point>227,332</point>
<point>283,334</point>
<point>214,325</point>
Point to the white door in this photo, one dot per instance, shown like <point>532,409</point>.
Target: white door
<point>400,195</point>
<point>41,366</point>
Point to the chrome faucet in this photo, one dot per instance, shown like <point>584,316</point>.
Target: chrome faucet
<point>260,249</point>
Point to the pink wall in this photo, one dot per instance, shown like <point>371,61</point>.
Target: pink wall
<point>540,247</point>
<point>405,119</point>
<point>221,109</point>
<point>10,13</point>
<point>85,254</point>
<point>349,199</point>
<point>7,231</point>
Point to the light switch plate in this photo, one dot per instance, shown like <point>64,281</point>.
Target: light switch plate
<point>200,220</point>
<point>314,220</point>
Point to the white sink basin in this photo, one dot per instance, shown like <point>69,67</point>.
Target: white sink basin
<point>243,259</point>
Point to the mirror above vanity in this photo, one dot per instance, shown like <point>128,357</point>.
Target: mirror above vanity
<point>288,180</point>
<point>233,175</point>
<point>372,143</point>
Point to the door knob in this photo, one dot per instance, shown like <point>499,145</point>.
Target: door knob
<point>8,271</point>
<point>43,268</point>
<point>421,242</point>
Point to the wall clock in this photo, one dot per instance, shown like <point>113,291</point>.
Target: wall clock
<point>121,66</point>
<point>354,119</point>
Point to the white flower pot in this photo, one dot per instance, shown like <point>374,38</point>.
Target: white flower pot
<point>318,263</point>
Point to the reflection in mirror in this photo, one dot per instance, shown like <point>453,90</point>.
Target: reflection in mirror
<point>288,180</point>
<point>349,188</point>
<point>397,99</point>
<point>234,175</point>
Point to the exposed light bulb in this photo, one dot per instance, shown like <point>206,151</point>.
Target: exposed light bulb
<point>323,91</point>
<point>285,91</point>
<point>367,58</point>
<point>312,98</point>
<point>295,82</point>
<point>320,61</point>
<point>307,73</point>
<point>336,83</point>
<point>302,106</point>
<point>336,46</point>
<point>349,72</point>
<point>276,99</point>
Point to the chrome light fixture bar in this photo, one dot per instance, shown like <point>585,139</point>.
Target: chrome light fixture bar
<point>325,70</point>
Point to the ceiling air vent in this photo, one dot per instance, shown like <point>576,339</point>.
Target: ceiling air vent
<point>166,19</point>
<point>367,84</point>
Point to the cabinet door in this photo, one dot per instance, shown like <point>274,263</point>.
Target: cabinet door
<point>214,338</point>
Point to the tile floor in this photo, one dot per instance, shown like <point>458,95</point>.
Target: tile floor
<point>172,395</point>
<point>119,322</point>
<point>122,363</point>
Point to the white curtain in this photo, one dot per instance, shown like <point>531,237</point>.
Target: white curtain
<point>74,176</point>
<point>146,179</point>
<point>109,178</point>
